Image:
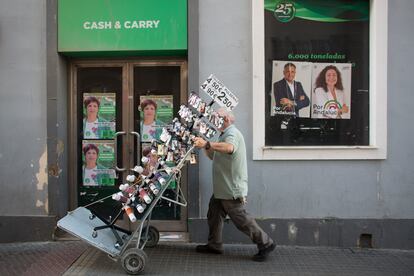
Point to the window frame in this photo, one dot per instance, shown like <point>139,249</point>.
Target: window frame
<point>378,55</point>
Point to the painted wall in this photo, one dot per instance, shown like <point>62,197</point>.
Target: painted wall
<point>33,120</point>
<point>397,171</point>
<point>313,189</point>
<point>57,118</point>
<point>23,135</point>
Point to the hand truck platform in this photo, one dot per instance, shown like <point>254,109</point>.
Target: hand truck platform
<point>82,223</point>
<point>115,241</point>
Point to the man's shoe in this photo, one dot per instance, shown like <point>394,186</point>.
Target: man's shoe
<point>263,253</point>
<point>207,249</point>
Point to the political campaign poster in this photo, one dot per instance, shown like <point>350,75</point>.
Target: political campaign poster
<point>155,113</point>
<point>291,87</point>
<point>98,159</point>
<point>99,115</point>
<point>331,90</point>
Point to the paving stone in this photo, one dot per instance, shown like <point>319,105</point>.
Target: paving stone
<point>181,259</point>
<point>39,258</point>
<point>77,258</point>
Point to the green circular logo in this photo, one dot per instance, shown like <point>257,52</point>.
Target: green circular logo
<point>284,12</point>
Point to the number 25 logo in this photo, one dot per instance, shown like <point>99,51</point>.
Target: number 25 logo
<point>284,12</point>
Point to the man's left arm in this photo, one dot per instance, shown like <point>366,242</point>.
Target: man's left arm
<point>303,99</point>
<point>222,147</point>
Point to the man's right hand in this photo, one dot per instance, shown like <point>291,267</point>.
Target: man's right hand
<point>286,101</point>
<point>345,108</point>
<point>199,142</point>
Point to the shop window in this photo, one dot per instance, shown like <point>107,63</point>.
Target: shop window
<point>318,80</point>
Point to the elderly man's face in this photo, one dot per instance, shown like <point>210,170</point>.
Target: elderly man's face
<point>289,73</point>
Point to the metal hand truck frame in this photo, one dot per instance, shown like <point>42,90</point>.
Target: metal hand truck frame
<point>114,240</point>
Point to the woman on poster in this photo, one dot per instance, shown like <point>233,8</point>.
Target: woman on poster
<point>92,124</point>
<point>329,98</point>
<point>150,127</point>
<point>92,175</point>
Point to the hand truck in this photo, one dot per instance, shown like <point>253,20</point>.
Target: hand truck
<point>117,242</point>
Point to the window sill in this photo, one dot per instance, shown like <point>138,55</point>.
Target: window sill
<point>320,153</point>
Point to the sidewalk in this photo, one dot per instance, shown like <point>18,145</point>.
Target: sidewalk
<point>57,258</point>
<point>39,258</point>
<point>181,259</point>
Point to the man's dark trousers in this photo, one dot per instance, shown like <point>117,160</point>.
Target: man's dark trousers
<point>217,211</point>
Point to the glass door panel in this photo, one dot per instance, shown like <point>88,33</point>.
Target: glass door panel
<point>157,95</point>
<point>109,101</point>
<point>99,91</point>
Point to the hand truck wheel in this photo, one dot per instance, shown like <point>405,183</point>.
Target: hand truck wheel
<point>153,236</point>
<point>133,260</point>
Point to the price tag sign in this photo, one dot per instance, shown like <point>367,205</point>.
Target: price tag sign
<point>219,93</point>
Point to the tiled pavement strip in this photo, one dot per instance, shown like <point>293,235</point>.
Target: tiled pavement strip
<point>39,258</point>
<point>54,258</point>
<point>181,259</point>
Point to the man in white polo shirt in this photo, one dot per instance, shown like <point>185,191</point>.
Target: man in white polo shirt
<point>230,190</point>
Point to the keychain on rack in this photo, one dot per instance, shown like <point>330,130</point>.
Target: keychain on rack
<point>193,158</point>
<point>171,149</point>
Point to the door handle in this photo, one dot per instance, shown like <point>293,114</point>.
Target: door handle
<point>116,151</point>
<point>138,161</point>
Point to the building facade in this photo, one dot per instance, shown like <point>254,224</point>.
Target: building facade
<point>307,185</point>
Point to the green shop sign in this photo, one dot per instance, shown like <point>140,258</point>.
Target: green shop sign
<point>122,27</point>
<point>332,11</point>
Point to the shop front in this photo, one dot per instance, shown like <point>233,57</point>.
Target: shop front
<point>127,76</point>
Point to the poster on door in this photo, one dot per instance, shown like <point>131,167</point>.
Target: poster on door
<point>99,115</point>
<point>98,159</point>
<point>155,113</point>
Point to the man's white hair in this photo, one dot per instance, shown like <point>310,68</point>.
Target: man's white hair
<point>225,113</point>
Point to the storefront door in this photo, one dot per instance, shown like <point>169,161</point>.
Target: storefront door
<point>116,109</point>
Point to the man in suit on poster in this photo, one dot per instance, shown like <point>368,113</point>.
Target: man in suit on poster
<point>289,94</point>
